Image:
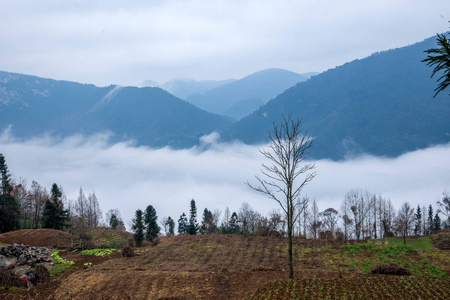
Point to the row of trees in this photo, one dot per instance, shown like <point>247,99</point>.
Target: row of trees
<point>145,225</point>
<point>23,207</point>
<point>362,215</point>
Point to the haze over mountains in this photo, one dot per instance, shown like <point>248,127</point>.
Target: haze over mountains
<point>381,105</point>
<point>149,116</point>
<point>241,97</point>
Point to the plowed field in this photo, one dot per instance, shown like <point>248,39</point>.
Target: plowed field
<point>237,267</point>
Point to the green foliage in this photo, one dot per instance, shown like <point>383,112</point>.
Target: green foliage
<point>54,215</point>
<point>61,260</point>
<point>439,58</point>
<point>98,252</point>
<point>182,224</point>
<point>9,206</point>
<point>193,227</point>
<point>62,265</point>
<point>434,271</point>
<point>138,228</point>
<point>208,225</point>
<point>113,221</point>
<point>59,269</point>
<point>171,223</point>
<point>151,224</point>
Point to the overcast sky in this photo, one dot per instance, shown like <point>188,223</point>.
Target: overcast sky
<point>126,42</point>
<point>130,178</point>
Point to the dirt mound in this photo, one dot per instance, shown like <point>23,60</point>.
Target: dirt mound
<point>110,238</point>
<point>38,237</point>
<point>441,240</point>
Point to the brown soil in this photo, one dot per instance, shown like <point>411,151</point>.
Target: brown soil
<point>212,267</point>
<point>38,237</point>
<point>441,240</point>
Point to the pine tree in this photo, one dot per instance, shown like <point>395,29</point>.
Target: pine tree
<point>418,226</point>
<point>54,215</point>
<point>436,223</point>
<point>171,223</point>
<point>208,225</point>
<point>9,206</point>
<point>430,220</point>
<point>193,227</point>
<point>113,221</point>
<point>151,224</point>
<point>233,224</point>
<point>138,228</point>
<point>182,224</point>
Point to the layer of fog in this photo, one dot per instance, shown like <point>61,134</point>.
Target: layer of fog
<point>128,177</point>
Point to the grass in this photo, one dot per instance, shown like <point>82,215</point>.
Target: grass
<point>388,287</point>
<point>99,252</point>
<point>59,269</point>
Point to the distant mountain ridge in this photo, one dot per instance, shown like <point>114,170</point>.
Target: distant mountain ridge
<point>149,116</point>
<point>241,97</point>
<point>381,105</point>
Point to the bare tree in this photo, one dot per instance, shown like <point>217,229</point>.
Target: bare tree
<point>330,220</point>
<point>315,220</point>
<point>405,220</point>
<point>287,150</point>
<point>356,209</point>
<point>302,210</point>
<point>444,208</point>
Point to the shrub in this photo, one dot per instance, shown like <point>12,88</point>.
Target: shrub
<point>59,269</point>
<point>390,268</point>
<point>41,274</point>
<point>8,278</point>
<point>127,251</point>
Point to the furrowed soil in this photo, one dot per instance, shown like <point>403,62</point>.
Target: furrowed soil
<point>238,267</point>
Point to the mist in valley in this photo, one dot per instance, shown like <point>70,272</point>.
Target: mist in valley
<point>128,178</point>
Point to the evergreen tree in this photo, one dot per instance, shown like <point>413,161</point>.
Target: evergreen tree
<point>418,226</point>
<point>233,224</point>
<point>436,223</point>
<point>54,215</point>
<point>9,206</point>
<point>114,219</point>
<point>113,222</point>
<point>171,223</point>
<point>439,58</point>
<point>193,227</point>
<point>208,225</point>
<point>182,224</point>
<point>430,220</point>
<point>138,228</point>
<point>151,224</point>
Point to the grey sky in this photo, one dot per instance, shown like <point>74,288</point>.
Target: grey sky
<point>128,178</point>
<point>125,42</point>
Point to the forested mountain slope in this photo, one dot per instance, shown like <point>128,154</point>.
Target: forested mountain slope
<point>381,105</point>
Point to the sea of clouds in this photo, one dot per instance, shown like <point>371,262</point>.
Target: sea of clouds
<point>128,177</point>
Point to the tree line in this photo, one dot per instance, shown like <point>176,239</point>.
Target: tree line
<point>362,216</point>
<point>31,207</point>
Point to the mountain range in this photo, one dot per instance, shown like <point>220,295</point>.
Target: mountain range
<point>149,116</point>
<point>381,105</point>
<point>241,97</point>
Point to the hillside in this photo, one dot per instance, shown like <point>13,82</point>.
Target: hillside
<point>234,267</point>
<point>382,105</point>
<point>241,97</point>
<point>149,116</point>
